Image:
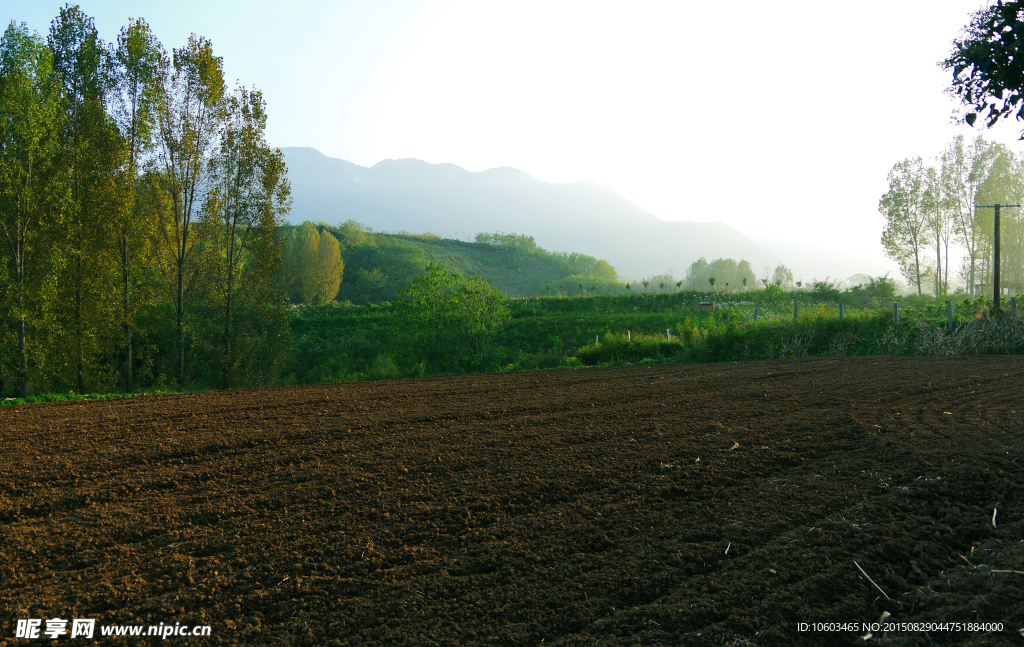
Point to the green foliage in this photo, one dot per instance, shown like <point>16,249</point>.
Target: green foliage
<point>732,275</point>
<point>927,209</point>
<point>591,284</point>
<point>61,397</point>
<point>877,289</point>
<point>378,266</point>
<point>74,397</point>
<point>338,343</point>
<point>449,321</point>
<point>723,271</point>
<point>29,146</point>
<point>771,294</point>
<point>907,213</point>
<point>515,246</point>
<point>623,349</point>
<point>782,277</point>
<point>240,255</point>
<point>987,72</point>
<point>826,290</point>
<point>344,343</point>
<point>138,207</point>
<point>313,264</point>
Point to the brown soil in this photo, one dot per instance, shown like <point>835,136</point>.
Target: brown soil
<point>567,507</point>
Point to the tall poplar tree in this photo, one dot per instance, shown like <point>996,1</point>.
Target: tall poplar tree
<point>28,121</point>
<point>965,167</point>
<point>906,221</point>
<point>189,123</point>
<point>248,201</point>
<point>138,83</point>
<point>933,203</point>
<point>329,268</point>
<point>946,219</point>
<point>90,152</point>
<point>300,253</point>
<point>313,265</point>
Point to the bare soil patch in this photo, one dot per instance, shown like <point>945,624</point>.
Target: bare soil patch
<point>672,505</point>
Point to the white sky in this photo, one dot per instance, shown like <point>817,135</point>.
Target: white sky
<point>781,118</point>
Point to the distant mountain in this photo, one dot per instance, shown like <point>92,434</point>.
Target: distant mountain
<point>584,217</point>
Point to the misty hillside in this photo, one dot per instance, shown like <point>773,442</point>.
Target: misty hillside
<point>415,196</point>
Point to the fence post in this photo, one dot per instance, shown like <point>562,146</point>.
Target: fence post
<point>756,308</point>
<point>949,314</point>
<point>896,314</point>
<point>596,340</point>
<point>841,307</point>
<point>796,312</point>
<point>629,337</point>
<point>668,335</point>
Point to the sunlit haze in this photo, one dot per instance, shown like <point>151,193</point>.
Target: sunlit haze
<point>781,119</point>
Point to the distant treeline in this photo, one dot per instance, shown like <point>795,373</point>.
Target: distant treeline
<point>139,203</point>
<point>719,276</point>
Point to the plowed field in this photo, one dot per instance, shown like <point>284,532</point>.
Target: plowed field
<point>717,504</point>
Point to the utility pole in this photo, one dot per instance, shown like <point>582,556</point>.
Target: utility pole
<point>995,268</point>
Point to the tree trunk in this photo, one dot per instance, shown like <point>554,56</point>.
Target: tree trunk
<point>984,275</point>
<point>125,264</point>
<point>945,273</point>
<point>971,287</point>
<point>79,327</point>
<point>917,267</point>
<point>180,315</point>
<point>22,354</point>
<point>227,344</point>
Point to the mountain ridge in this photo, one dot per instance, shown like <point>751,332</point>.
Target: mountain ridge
<point>583,216</point>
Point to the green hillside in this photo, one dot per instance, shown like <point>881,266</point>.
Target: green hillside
<point>379,265</point>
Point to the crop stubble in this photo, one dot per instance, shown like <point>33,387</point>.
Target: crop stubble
<point>507,509</point>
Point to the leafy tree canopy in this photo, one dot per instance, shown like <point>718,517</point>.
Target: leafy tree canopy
<point>449,320</point>
<point>878,288</point>
<point>988,72</point>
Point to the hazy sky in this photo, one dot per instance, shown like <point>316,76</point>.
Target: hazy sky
<point>781,119</point>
